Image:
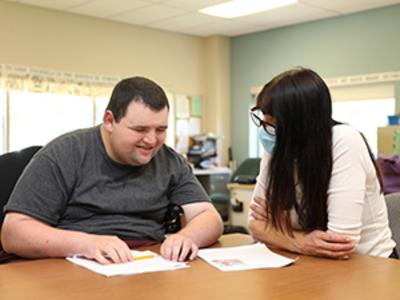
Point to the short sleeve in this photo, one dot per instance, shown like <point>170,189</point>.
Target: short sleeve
<point>40,191</point>
<point>184,187</point>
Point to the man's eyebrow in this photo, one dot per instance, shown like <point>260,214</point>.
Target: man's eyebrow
<point>145,126</point>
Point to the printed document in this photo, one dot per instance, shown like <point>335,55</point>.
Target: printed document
<point>142,262</point>
<point>249,257</point>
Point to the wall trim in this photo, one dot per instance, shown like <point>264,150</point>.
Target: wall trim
<point>352,80</point>
<point>7,70</point>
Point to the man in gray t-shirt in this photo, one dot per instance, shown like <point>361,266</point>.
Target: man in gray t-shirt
<point>88,190</point>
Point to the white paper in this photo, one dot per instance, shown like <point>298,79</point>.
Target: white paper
<point>154,264</point>
<point>249,257</point>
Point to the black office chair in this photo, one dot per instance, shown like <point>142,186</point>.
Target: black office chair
<point>11,166</point>
<point>173,220</point>
<point>247,171</point>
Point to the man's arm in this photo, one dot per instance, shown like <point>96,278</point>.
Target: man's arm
<point>203,227</point>
<point>27,237</point>
<point>316,243</point>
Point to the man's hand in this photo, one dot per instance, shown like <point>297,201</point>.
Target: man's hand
<point>203,227</point>
<point>106,249</point>
<point>326,244</point>
<point>178,247</point>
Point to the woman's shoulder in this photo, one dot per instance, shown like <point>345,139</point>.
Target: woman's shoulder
<point>345,130</point>
<point>347,138</point>
<point>346,133</point>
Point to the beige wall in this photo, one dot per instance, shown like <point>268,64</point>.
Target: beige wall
<point>49,39</point>
<point>37,37</point>
<point>217,84</point>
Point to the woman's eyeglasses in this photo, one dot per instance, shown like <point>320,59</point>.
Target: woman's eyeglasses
<point>257,117</point>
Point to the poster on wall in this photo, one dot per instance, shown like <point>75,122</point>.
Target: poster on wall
<point>182,106</point>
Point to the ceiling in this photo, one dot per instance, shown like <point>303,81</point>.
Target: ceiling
<point>183,16</point>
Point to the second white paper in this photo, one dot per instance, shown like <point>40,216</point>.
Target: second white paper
<point>249,257</point>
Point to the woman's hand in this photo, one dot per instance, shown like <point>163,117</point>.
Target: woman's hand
<point>258,209</point>
<point>325,244</point>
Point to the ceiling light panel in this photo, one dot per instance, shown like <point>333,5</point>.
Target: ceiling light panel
<point>237,8</point>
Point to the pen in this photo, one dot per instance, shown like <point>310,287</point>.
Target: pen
<point>143,257</point>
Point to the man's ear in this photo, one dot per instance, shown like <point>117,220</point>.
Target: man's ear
<point>108,120</point>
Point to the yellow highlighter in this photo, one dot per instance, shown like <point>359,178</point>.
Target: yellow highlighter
<point>144,257</point>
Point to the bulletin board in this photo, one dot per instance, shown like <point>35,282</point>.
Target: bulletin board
<point>188,120</point>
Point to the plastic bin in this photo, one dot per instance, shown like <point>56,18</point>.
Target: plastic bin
<point>394,120</point>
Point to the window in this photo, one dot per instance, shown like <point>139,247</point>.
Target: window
<point>170,140</point>
<point>255,148</point>
<point>365,115</point>
<point>37,118</point>
<point>38,105</point>
<point>3,120</point>
<point>100,108</point>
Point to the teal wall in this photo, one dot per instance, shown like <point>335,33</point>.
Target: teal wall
<point>360,43</point>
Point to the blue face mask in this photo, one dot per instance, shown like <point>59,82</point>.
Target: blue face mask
<point>267,140</point>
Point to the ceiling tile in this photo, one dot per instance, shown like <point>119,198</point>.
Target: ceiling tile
<point>224,27</point>
<point>183,16</point>
<point>345,6</point>
<point>186,21</point>
<point>148,14</point>
<point>52,4</point>
<point>103,8</point>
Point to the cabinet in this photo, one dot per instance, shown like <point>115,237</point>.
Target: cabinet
<point>388,142</point>
<point>215,181</point>
<point>240,197</point>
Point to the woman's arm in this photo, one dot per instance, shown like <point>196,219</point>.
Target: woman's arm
<point>347,188</point>
<point>316,243</point>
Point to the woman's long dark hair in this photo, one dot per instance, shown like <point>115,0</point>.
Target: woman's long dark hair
<point>301,165</point>
<point>300,102</point>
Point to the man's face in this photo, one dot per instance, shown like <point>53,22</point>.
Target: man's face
<point>138,136</point>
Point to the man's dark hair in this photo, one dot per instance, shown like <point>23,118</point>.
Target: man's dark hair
<point>137,89</point>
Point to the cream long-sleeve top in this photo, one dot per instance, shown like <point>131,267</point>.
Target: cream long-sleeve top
<point>356,207</point>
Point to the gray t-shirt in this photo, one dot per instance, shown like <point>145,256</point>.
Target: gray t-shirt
<point>73,184</point>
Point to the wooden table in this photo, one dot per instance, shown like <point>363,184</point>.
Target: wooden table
<point>361,277</point>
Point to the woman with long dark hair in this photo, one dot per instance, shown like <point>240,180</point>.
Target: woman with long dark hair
<point>318,192</point>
